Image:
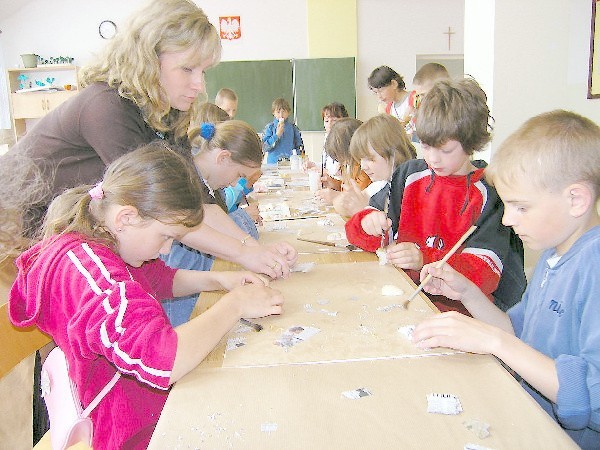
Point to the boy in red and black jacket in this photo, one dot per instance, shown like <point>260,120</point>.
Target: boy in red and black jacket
<point>435,200</point>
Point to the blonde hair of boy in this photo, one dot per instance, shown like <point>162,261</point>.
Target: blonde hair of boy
<point>386,135</point>
<point>552,151</point>
<point>22,186</point>
<point>455,110</point>
<point>225,94</point>
<point>337,144</point>
<point>236,136</point>
<point>209,112</point>
<point>157,181</point>
<point>428,75</point>
<point>280,103</point>
<point>130,61</point>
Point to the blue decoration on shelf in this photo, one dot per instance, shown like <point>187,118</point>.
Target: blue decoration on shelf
<point>40,83</point>
<point>50,80</point>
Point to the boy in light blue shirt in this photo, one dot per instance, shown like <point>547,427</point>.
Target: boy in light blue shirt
<point>280,137</point>
<point>548,176</point>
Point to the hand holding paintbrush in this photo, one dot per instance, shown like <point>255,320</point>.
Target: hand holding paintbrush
<point>440,263</point>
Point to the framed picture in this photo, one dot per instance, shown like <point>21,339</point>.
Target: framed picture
<point>594,78</point>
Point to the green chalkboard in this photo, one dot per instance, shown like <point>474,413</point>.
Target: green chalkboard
<point>308,84</point>
<point>256,83</point>
<point>321,81</point>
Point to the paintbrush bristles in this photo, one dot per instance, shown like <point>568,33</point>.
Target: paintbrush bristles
<point>254,326</point>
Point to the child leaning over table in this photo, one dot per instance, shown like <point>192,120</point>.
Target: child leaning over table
<point>379,146</point>
<point>280,137</point>
<point>548,175</point>
<point>434,201</point>
<point>95,281</point>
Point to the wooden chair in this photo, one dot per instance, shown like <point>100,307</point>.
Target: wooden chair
<point>19,344</point>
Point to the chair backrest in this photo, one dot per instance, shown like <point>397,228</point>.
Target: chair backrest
<point>17,343</point>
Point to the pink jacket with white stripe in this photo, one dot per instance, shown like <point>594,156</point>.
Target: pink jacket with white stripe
<point>105,316</point>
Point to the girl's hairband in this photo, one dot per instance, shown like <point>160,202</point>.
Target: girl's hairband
<point>96,193</point>
<point>207,130</point>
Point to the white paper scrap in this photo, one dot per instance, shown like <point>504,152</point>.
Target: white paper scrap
<point>356,393</point>
<point>303,267</point>
<point>443,404</point>
<point>407,331</point>
<point>391,291</point>
<point>236,342</point>
<point>268,427</point>
<point>481,429</point>
<point>295,335</point>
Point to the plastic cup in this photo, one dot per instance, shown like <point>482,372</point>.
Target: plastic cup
<point>314,180</point>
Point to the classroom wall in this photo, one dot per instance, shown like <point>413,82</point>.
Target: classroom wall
<point>536,59</point>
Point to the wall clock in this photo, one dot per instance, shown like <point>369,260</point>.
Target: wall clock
<point>107,29</point>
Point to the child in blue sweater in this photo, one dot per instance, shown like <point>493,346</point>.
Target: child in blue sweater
<point>548,176</point>
<point>280,137</point>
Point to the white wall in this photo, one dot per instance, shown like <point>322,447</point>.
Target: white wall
<point>540,64</point>
<point>393,32</point>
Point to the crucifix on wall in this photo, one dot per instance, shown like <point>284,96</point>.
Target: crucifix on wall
<point>449,33</point>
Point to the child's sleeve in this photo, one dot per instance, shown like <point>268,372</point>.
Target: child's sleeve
<point>270,137</point>
<point>481,257</point>
<point>233,194</point>
<point>357,236</point>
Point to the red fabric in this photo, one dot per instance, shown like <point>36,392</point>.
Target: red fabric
<point>434,214</point>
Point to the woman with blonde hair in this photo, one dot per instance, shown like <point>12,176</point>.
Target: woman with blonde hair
<point>145,86</point>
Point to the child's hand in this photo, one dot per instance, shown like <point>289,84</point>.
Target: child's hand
<point>375,223</point>
<point>446,281</point>
<point>255,301</point>
<point>351,200</point>
<point>288,251</point>
<point>455,330</point>
<point>253,212</point>
<point>308,164</point>
<point>232,280</point>
<point>280,128</point>
<point>326,195</point>
<point>405,255</point>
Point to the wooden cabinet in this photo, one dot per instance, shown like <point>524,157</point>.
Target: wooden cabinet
<point>26,105</point>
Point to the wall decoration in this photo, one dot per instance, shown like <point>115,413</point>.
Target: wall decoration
<point>107,29</point>
<point>594,77</point>
<point>230,27</point>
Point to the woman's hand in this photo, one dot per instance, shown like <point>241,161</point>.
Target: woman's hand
<point>273,260</point>
<point>405,255</point>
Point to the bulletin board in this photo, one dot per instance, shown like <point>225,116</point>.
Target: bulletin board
<point>321,81</point>
<point>308,84</point>
<point>256,83</point>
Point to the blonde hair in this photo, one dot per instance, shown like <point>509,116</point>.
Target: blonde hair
<point>209,112</point>
<point>236,136</point>
<point>455,110</point>
<point>386,135</point>
<point>160,183</point>
<point>429,73</point>
<point>280,103</point>
<point>130,61</point>
<point>22,186</point>
<point>551,150</point>
<point>225,94</point>
<point>337,144</point>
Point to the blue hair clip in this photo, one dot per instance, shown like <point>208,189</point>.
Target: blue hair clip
<point>207,130</point>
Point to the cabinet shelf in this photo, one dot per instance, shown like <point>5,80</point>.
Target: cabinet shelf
<point>36,104</point>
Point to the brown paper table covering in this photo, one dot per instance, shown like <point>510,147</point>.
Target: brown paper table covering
<point>302,407</point>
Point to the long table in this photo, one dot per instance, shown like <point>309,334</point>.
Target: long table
<point>338,369</point>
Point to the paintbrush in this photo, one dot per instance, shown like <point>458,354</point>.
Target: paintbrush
<point>386,206</point>
<point>330,244</point>
<point>462,239</point>
<point>255,326</point>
